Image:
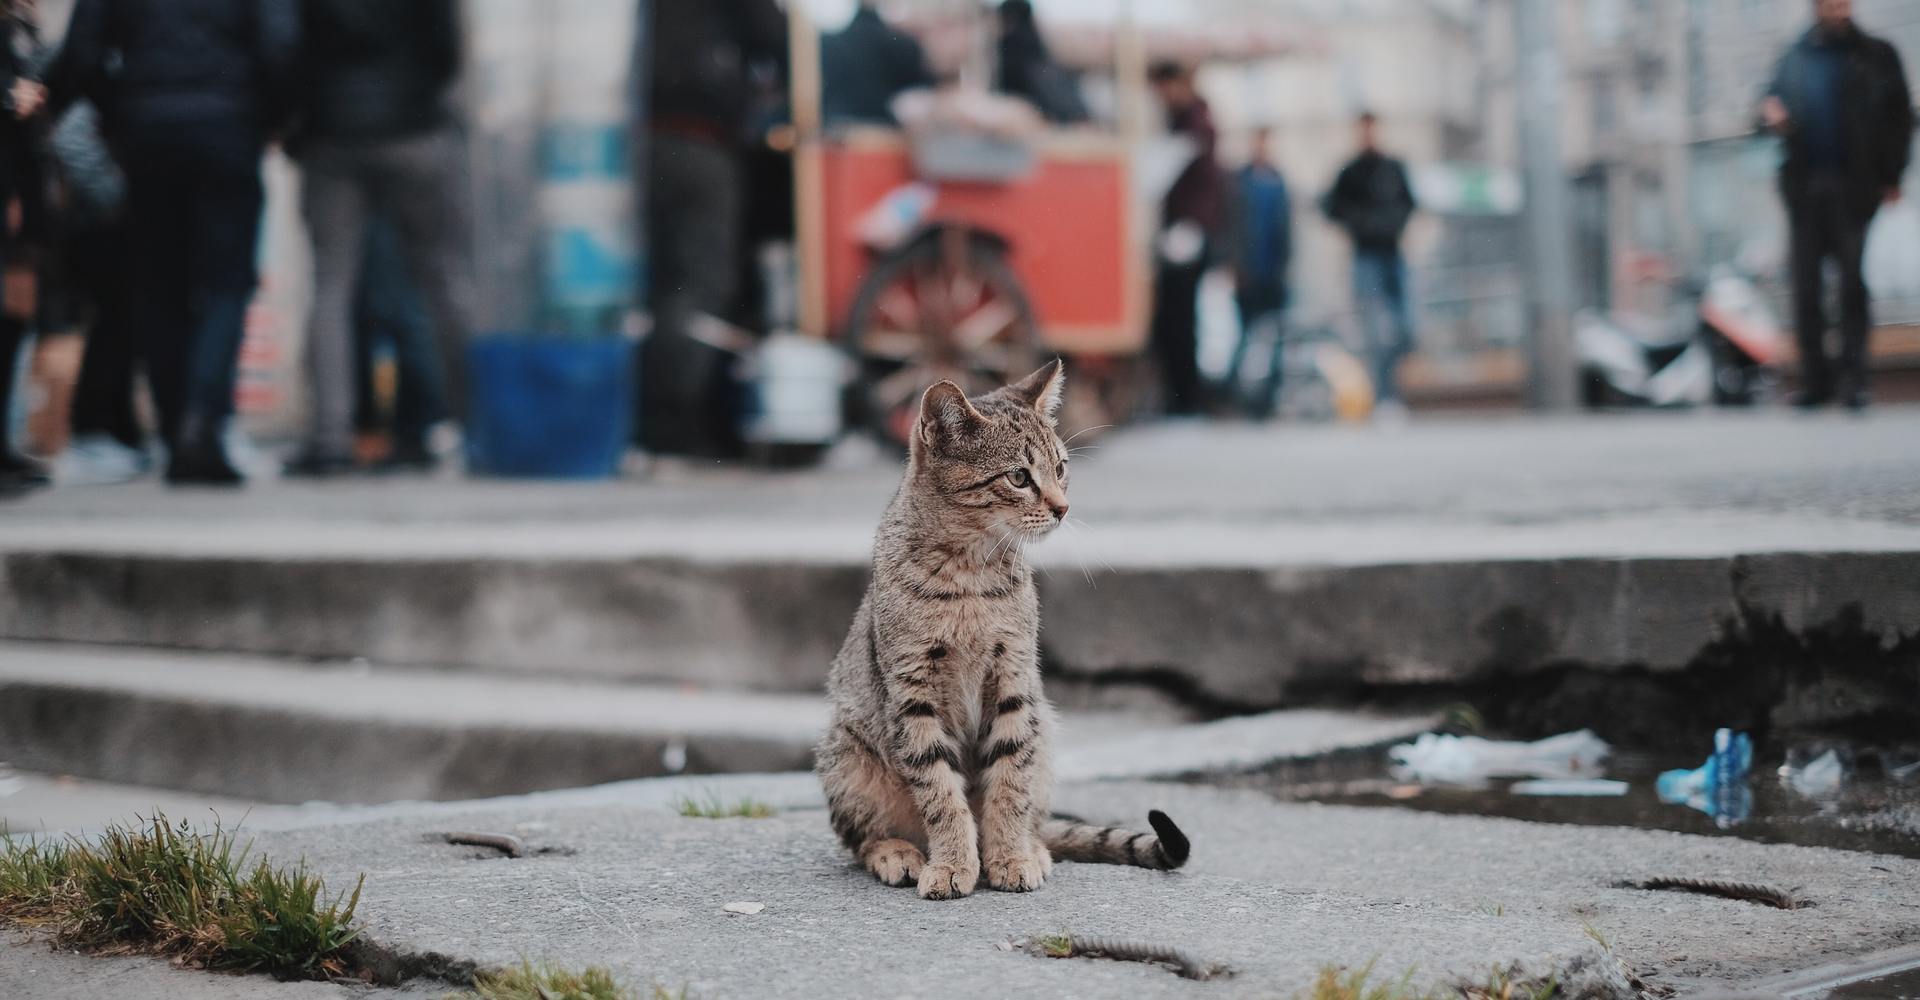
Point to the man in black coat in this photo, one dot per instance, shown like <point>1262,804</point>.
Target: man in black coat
<point>378,137</point>
<point>189,92</point>
<point>1372,200</point>
<point>1839,101</point>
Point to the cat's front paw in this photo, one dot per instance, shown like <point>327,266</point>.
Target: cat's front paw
<point>944,881</point>
<point>1019,871</point>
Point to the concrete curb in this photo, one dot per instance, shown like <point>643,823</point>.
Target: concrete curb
<point>1246,636</point>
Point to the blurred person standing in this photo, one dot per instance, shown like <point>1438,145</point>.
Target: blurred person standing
<point>1261,230</point>
<point>867,64</point>
<point>1373,201</point>
<point>22,95</point>
<point>378,136</point>
<point>189,91</point>
<point>1190,217</point>
<point>1027,68</point>
<point>1839,101</point>
<point>707,55</point>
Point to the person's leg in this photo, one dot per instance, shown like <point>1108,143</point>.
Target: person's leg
<point>1399,309</point>
<point>103,395</point>
<point>1376,324</point>
<point>696,207</point>
<point>226,202</point>
<point>1808,251</point>
<point>415,185</point>
<point>391,308</point>
<point>1856,316</point>
<point>158,222</point>
<point>334,203</point>
<point>1176,330</point>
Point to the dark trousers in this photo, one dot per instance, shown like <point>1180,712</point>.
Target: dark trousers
<point>1176,323</point>
<point>103,398</point>
<point>387,311</point>
<point>695,208</point>
<point>1382,295</point>
<point>193,200</point>
<point>1829,219</point>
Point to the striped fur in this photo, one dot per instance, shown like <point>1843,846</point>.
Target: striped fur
<point>1072,840</point>
<point>937,766</point>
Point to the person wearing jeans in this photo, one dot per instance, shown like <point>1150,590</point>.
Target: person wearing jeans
<point>379,138</point>
<point>188,94</point>
<point>1373,200</point>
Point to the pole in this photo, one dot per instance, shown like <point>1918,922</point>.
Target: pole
<point>1547,216</point>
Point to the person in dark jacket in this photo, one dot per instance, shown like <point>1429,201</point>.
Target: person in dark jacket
<point>1373,201</point>
<point>189,92</point>
<point>1262,244</point>
<point>1190,218</point>
<point>710,58</point>
<point>1027,68</point>
<point>21,95</point>
<point>864,66</point>
<point>1840,103</point>
<point>378,137</point>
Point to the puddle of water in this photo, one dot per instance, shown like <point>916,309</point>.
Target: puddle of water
<point>1872,810</point>
<point>1898,986</point>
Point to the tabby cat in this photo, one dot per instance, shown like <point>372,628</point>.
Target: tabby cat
<point>937,764</point>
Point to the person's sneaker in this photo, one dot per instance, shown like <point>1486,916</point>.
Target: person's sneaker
<point>1856,400</point>
<point>97,459</point>
<point>1812,399</point>
<point>319,463</point>
<point>408,457</point>
<point>1390,414</point>
<point>202,463</point>
<point>20,474</point>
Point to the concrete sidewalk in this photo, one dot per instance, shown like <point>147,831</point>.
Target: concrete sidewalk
<point>1241,563</point>
<point>1276,891</point>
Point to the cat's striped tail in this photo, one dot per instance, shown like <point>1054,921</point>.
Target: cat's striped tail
<point>1165,849</point>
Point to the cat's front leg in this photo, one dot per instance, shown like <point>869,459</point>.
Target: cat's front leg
<point>929,759</point>
<point>1016,775</point>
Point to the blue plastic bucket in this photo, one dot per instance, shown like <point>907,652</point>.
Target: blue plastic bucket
<point>549,407</point>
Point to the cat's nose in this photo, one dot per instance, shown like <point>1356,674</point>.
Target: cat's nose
<point>1059,508</point>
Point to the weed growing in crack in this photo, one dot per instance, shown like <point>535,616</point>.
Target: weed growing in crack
<point>710,806</point>
<point>165,889</point>
<point>528,981</point>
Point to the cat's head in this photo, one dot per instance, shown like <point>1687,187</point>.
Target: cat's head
<point>995,460</point>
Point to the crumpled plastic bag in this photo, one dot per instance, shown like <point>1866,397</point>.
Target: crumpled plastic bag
<point>1465,760</point>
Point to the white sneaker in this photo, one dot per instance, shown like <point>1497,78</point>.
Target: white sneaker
<point>1390,414</point>
<point>99,460</point>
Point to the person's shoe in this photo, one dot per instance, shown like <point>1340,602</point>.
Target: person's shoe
<point>1812,399</point>
<point>319,463</point>
<point>1390,414</point>
<point>97,459</point>
<point>20,474</point>
<point>201,461</point>
<point>1856,400</point>
<point>408,456</point>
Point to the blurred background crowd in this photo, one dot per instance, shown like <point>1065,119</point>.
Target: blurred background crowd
<point>371,234</point>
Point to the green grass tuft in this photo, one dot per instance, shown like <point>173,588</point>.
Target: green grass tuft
<point>1336,983</point>
<point>528,981</point>
<point>165,889</point>
<point>710,806</point>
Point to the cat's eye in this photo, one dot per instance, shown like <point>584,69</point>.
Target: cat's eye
<point>1020,479</point>
<point>1060,471</point>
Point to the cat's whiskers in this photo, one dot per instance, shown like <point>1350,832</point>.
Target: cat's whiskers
<point>1076,524</point>
<point>1084,430</point>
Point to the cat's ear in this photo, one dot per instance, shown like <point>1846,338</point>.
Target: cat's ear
<point>945,413</point>
<point>1041,390</point>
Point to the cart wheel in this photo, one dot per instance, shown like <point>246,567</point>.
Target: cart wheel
<point>944,307</point>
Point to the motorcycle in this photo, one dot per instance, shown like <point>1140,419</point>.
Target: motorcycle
<point>1722,344</point>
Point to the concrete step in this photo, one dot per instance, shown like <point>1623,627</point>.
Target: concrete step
<point>1241,614</point>
<point>276,731</point>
